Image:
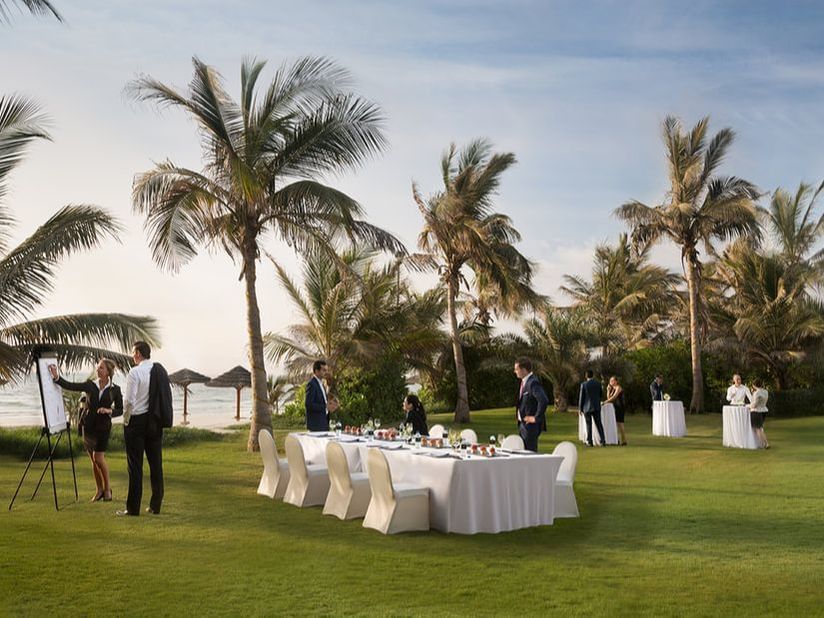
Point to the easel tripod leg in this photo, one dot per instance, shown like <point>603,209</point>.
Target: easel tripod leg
<point>26,471</point>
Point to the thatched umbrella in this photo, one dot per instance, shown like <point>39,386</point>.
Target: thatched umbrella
<point>184,378</point>
<point>237,378</point>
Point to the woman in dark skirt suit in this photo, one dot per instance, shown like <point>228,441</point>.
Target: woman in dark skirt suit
<point>615,396</point>
<point>105,400</point>
<point>758,411</point>
<point>415,414</point>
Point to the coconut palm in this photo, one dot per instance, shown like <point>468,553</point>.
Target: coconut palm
<point>261,157</point>
<point>627,299</point>
<point>354,314</point>
<point>281,390</point>
<point>699,207</point>
<point>767,308</point>
<point>558,341</point>
<point>27,271</point>
<point>36,7</point>
<point>461,231</point>
<point>793,224</point>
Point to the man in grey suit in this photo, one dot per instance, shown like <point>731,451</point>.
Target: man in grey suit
<point>589,403</point>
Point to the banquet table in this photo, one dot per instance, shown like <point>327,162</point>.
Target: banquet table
<point>668,419</point>
<point>607,420</point>
<point>466,496</point>
<point>738,432</point>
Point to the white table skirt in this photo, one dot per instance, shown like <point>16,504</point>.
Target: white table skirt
<point>607,420</point>
<point>668,419</point>
<point>466,496</point>
<point>738,432</point>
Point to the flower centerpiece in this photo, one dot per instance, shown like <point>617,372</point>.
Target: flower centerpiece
<point>666,397</point>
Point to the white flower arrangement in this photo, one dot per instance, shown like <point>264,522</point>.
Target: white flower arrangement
<point>666,397</point>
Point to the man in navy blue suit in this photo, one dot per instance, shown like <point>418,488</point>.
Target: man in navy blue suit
<point>318,405</point>
<point>532,403</point>
<point>589,403</point>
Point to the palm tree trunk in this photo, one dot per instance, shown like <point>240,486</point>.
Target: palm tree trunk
<point>261,413</point>
<point>462,404</point>
<point>697,402</point>
<point>561,403</point>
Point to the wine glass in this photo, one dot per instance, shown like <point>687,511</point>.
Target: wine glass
<point>331,425</point>
<point>377,423</point>
<point>338,428</point>
<point>501,439</point>
<point>492,440</point>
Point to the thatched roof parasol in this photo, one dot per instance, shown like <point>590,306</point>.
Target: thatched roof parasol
<point>236,378</point>
<point>183,378</point>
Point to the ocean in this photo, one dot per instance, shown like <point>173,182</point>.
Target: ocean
<point>209,408</point>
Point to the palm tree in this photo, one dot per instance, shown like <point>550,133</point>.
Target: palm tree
<point>36,7</point>
<point>281,390</point>
<point>767,308</point>
<point>699,207</point>
<point>559,342</point>
<point>462,231</point>
<point>260,157</point>
<point>27,270</point>
<point>794,225</point>
<point>627,298</point>
<point>354,314</point>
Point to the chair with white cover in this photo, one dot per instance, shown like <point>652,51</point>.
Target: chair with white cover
<point>565,503</point>
<point>469,435</point>
<point>349,494</point>
<point>275,471</point>
<point>308,484</point>
<point>513,442</point>
<point>394,507</point>
<point>436,431</point>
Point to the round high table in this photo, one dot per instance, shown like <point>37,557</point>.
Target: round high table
<point>738,432</point>
<point>668,419</point>
<point>607,420</point>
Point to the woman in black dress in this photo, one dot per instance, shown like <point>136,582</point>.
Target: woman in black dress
<point>415,414</point>
<point>105,401</point>
<point>615,396</point>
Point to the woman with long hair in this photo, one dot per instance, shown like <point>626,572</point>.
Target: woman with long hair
<point>415,414</point>
<point>615,396</point>
<point>105,400</point>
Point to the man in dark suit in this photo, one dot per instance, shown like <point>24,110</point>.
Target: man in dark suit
<point>532,403</point>
<point>317,403</point>
<point>656,388</point>
<point>589,403</point>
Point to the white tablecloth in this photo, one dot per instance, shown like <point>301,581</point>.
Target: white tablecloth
<point>607,420</point>
<point>668,419</point>
<point>465,496</point>
<point>738,432</point>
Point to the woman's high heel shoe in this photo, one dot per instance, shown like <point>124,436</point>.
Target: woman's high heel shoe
<point>107,497</point>
<point>97,497</point>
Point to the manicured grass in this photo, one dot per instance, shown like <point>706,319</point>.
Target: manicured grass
<point>667,527</point>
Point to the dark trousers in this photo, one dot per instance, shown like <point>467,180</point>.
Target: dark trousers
<point>141,436</point>
<point>590,417</point>
<point>529,434</point>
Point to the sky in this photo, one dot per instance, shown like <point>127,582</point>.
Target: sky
<point>577,90</point>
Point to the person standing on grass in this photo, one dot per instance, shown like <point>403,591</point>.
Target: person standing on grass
<point>589,404</point>
<point>317,403</point>
<point>737,393</point>
<point>147,406</point>
<point>532,404</point>
<point>615,396</point>
<point>758,411</point>
<point>105,401</point>
<point>656,388</point>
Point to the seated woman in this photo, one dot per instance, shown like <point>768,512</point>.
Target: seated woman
<point>758,411</point>
<point>737,394</point>
<point>105,401</point>
<point>415,414</point>
<point>615,396</point>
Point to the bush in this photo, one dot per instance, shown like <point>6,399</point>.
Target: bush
<point>796,402</point>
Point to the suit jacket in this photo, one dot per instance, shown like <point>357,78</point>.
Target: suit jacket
<point>533,402</point>
<point>317,419</point>
<point>589,397</point>
<point>418,420</point>
<point>160,397</point>
<point>92,422</point>
<point>656,391</point>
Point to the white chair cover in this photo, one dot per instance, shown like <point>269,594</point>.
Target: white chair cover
<point>470,436</point>
<point>275,471</point>
<point>349,494</point>
<point>308,484</point>
<point>394,508</point>
<point>513,442</point>
<point>436,431</point>
<point>565,503</point>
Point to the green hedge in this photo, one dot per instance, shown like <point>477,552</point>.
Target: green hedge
<point>796,402</point>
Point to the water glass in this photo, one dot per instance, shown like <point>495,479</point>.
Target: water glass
<point>492,440</point>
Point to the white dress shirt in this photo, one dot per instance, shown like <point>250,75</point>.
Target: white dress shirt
<point>137,390</point>
<point>523,389</point>
<point>322,390</point>
<point>759,400</point>
<point>736,395</point>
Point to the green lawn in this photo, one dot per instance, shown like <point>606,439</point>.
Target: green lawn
<point>667,527</point>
